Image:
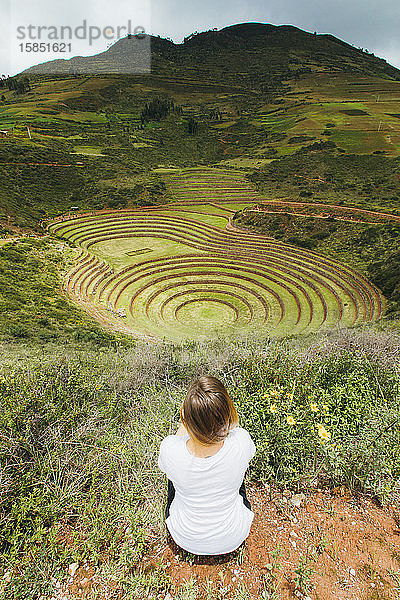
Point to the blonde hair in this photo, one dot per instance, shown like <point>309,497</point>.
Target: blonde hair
<point>208,412</point>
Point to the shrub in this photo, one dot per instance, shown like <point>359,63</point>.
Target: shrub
<point>327,422</point>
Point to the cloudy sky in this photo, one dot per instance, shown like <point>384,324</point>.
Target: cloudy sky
<point>371,24</point>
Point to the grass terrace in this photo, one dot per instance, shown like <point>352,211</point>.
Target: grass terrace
<point>182,272</point>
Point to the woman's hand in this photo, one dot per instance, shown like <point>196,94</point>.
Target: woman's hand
<point>181,430</point>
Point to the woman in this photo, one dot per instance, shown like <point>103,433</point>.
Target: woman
<point>205,462</point>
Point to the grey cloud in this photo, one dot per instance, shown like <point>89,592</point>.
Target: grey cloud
<point>372,24</point>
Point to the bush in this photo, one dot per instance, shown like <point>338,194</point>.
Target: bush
<point>385,274</point>
<point>325,423</point>
<point>302,242</point>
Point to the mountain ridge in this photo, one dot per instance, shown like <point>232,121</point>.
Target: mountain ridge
<point>276,48</point>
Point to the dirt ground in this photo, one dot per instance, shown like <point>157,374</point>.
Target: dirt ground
<point>327,545</point>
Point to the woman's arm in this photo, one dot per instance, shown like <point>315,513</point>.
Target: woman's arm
<point>181,430</point>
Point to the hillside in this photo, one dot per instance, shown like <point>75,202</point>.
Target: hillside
<point>236,212</point>
<point>242,97</point>
<point>293,116</point>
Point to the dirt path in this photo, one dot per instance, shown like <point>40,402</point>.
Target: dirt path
<point>310,216</point>
<point>334,206</point>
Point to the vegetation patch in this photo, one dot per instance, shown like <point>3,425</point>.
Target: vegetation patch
<point>81,430</point>
<point>355,112</point>
<point>32,303</point>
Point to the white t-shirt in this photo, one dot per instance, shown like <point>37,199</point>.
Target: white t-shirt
<point>207,515</point>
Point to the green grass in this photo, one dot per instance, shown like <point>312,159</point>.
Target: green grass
<point>116,252</point>
<point>33,305</point>
<point>246,162</point>
<point>207,218</point>
<point>204,209</point>
<point>361,142</point>
<point>88,150</point>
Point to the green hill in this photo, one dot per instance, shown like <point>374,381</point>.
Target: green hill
<point>240,97</point>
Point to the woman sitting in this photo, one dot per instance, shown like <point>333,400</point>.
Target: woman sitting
<point>205,462</point>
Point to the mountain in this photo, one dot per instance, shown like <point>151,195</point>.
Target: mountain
<point>251,96</point>
<point>256,52</point>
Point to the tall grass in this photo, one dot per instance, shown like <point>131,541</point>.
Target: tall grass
<point>80,430</point>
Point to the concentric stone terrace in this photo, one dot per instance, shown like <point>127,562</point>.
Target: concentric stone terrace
<point>183,272</point>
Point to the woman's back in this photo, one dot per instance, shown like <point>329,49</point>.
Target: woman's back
<point>207,515</point>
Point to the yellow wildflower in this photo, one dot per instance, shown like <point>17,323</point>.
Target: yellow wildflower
<point>290,421</point>
<point>273,408</point>
<point>314,407</point>
<point>290,396</point>
<point>322,432</point>
<point>325,407</point>
<point>274,393</point>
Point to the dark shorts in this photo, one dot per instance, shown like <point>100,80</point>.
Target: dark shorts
<point>171,496</point>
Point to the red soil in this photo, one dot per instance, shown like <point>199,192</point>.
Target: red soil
<point>351,546</point>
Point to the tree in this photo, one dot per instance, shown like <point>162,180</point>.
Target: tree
<point>192,126</point>
<point>19,85</point>
<point>156,110</point>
